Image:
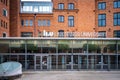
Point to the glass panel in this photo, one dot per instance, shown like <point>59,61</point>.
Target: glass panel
<point>47,46</point>
<point>53,62</point>
<point>113,62</point>
<point>32,46</point>
<point>98,61</point>
<point>91,61</point>
<point>79,46</point>
<point>94,46</point>
<point>36,7</point>
<point>115,22</point>
<point>61,62</point>
<point>64,46</point>
<point>109,47</point>
<point>17,46</point>
<point>115,4</point>
<point>118,61</point>
<point>4,46</point>
<point>30,62</point>
<point>75,62</point>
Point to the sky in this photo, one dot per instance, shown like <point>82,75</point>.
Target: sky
<point>35,0</point>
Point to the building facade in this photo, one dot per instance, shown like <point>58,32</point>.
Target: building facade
<point>63,34</point>
<point>4,18</point>
<point>64,18</point>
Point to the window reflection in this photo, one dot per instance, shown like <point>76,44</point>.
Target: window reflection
<point>36,7</point>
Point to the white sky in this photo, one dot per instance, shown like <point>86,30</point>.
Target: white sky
<point>35,0</point>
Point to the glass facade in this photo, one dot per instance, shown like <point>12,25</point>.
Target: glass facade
<point>36,7</point>
<point>62,53</point>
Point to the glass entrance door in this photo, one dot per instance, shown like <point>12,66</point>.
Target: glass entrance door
<point>42,62</point>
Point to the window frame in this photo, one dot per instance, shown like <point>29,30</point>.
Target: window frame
<point>102,20</point>
<point>116,31</point>
<point>100,4</point>
<point>61,6</point>
<point>71,21</point>
<point>117,18</point>
<point>5,13</point>
<point>117,6</point>
<point>60,18</point>
<point>102,32</point>
<point>71,6</point>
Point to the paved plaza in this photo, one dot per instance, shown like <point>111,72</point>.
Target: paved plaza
<point>70,75</point>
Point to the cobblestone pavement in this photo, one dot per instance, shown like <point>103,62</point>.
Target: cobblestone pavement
<point>70,75</point>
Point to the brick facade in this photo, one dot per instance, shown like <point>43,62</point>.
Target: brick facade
<point>4,20</point>
<point>85,14</point>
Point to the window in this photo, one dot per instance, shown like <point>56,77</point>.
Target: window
<point>102,34</point>
<point>117,33</point>
<point>48,22</point>
<point>4,35</point>
<point>43,22</point>
<point>70,34</point>
<point>102,20</point>
<point>22,22</point>
<point>71,6</point>
<point>39,22</point>
<point>101,5</point>
<point>26,34</point>
<point>61,18</point>
<point>31,22</point>
<point>61,33</point>
<point>1,23</point>
<point>26,23</point>
<point>36,7</point>
<point>116,19</point>
<point>4,12</point>
<point>60,6</point>
<point>116,4</point>
<point>70,21</point>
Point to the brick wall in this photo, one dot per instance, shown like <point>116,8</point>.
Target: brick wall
<point>4,20</point>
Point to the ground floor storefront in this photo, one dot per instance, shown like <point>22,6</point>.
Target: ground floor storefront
<point>62,53</point>
<point>65,61</point>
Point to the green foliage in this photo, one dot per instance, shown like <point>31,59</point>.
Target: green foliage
<point>63,47</point>
<point>29,46</point>
<point>91,47</point>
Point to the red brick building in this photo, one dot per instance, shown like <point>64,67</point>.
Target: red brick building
<point>4,18</point>
<point>65,18</point>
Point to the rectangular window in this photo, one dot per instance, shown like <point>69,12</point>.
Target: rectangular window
<point>39,22</point>
<point>102,34</point>
<point>31,22</point>
<point>116,19</point>
<point>116,4</point>
<point>60,18</point>
<point>44,23</point>
<point>26,34</point>
<point>117,33</point>
<point>70,6</point>
<point>101,20</point>
<point>60,6</point>
<point>4,12</point>
<point>48,22</point>
<point>102,5</point>
<point>22,22</point>
<point>71,21</point>
<point>70,34</point>
<point>26,22</point>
